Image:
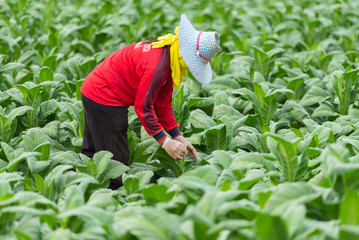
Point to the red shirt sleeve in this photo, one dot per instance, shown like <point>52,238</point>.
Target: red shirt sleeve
<point>164,110</point>
<point>147,92</point>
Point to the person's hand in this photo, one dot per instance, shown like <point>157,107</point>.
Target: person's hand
<point>188,145</point>
<point>174,148</point>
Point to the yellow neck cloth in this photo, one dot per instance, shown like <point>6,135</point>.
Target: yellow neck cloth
<point>178,66</point>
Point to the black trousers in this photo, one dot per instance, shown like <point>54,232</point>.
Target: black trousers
<point>106,129</point>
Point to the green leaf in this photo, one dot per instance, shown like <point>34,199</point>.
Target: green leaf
<point>74,197</point>
<point>11,66</point>
<point>5,129</point>
<point>249,161</point>
<point>287,156</point>
<point>33,138</point>
<point>20,111</point>
<point>261,63</point>
<point>144,149</point>
<point>349,232</point>
<point>144,178</point>
<point>335,161</point>
<point>224,83</point>
<point>207,173</point>
<point>260,94</point>
<point>89,214</point>
<point>225,110</point>
<point>113,170</point>
<point>47,108</point>
<point>149,223</point>
<point>287,194</point>
<point>324,111</point>
<point>44,149</point>
<point>102,160</point>
<point>271,227</point>
<point>156,193</point>
<point>212,200</point>
<point>200,120</point>
<point>221,159</point>
<point>131,184</point>
<point>216,138</point>
<point>349,208</point>
<point>39,182</point>
<point>46,74</point>
<point>314,96</point>
<point>221,97</point>
<point>28,228</point>
<point>5,188</point>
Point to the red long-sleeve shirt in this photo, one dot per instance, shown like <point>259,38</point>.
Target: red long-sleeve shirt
<point>140,76</point>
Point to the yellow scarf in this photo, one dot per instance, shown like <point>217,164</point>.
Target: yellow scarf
<point>178,66</point>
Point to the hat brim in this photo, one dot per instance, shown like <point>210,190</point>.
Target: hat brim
<point>187,39</point>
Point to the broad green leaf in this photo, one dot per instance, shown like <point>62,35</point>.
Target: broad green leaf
<point>315,95</point>
<point>212,200</point>
<point>144,149</point>
<point>39,182</point>
<point>149,223</point>
<point>221,98</point>
<point>113,170</point>
<point>33,138</point>
<point>335,161</point>
<point>46,74</point>
<point>15,162</point>
<point>324,111</point>
<point>131,184</point>
<point>144,178</point>
<point>260,94</point>
<point>271,227</point>
<point>225,110</point>
<point>28,226</point>
<point>102,198</point>
<point>221,159</point>
<point>5,129</point>
<point>206,173</point>
<point>74,197</point>
<point>200,120</point>
<point>216,138</point>
<point>5,188</point>
<point>226,84</point>
<point>243,207</point>
<point>249,161</point>
<point>349,208</point>
<point>11,66</point>
<point>47,108</point>
<point>229,127</point>
<point>44,149</point>
<point>36,166</point>
<point>287,194</point>
<point>348,232</point>
<point>90,214</point>
<point>156,193</point>
<point>18,112</point>
<point>10,177</point>
<point>102,160</point>
<point>287,156</point>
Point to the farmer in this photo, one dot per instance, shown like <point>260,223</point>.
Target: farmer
<point>143,75</point>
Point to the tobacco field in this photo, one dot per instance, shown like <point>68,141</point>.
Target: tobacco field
<point>277,129</point>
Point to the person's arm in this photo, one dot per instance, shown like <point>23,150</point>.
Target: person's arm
<point>164,112</point>
<point>148,89</point>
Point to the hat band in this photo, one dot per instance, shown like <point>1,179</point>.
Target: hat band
<point>198,48</point>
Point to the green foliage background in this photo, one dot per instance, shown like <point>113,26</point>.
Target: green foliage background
<point>276,130</point>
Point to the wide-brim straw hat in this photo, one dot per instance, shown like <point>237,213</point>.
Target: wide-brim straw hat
<point>197,49</point>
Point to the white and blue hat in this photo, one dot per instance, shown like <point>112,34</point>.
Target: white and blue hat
<point>197,49</point>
